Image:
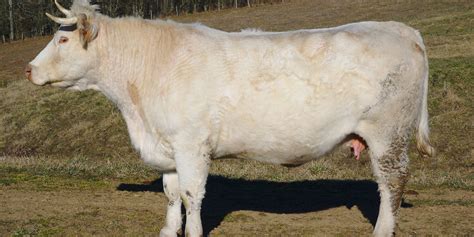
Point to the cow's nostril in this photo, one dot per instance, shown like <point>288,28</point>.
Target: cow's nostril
<point>28,71</point>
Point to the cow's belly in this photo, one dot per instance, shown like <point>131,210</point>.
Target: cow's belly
<point>284,127</point>
<point>291,144</point>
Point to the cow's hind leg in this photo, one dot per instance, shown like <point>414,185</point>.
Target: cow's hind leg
<point>173,215</point>
<point>390,166</point>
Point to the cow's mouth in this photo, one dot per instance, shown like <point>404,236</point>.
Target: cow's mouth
<point>52,82</point>
<point>59,83</point>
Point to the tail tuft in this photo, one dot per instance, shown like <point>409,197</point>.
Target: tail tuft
<point>423,145</point>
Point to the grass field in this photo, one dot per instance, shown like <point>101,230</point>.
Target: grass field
<point>67,167</point>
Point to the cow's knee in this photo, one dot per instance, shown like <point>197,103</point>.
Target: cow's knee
<point>391,171</point>
<point>173,215</point>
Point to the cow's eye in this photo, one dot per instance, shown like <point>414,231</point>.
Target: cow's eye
<point>63,39</point>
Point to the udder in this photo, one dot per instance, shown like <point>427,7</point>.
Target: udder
<point>357,145</point>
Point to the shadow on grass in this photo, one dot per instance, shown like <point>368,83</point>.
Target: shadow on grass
<point>225,195</point>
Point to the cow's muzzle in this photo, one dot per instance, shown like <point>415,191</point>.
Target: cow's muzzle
<point>28,72</point>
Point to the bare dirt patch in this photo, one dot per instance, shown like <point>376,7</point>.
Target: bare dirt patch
<point>233,207</point>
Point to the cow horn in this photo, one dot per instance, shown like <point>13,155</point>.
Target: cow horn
<point>62,9</point>
<point>63,21</point>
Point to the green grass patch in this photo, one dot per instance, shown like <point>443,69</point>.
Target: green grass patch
<point>238,217</point>
<point>38,227</point>
<point>26,180</point>
<point>69,173</point>
<point>77,166</point>
<point>441,202</point>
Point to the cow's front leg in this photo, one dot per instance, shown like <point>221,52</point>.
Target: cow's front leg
<point>173,215</point>
<point>192,164</point>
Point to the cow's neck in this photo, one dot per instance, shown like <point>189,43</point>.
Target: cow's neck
<point>133,53</point>
<point>130,56</point>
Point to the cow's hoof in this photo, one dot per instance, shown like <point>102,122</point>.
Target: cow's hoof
<point>168,232</point>
<point>384,234</point>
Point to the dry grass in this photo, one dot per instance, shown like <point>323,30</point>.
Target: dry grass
<point>57,140</point>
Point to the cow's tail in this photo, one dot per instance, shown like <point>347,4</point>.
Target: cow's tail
<point>422,136</point>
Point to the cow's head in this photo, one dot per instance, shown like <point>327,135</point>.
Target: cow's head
<point>70,57</point>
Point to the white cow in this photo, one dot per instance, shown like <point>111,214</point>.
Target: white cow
<point>190,93</point>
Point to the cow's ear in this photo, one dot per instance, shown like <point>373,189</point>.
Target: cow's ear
<point>88,30</point>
